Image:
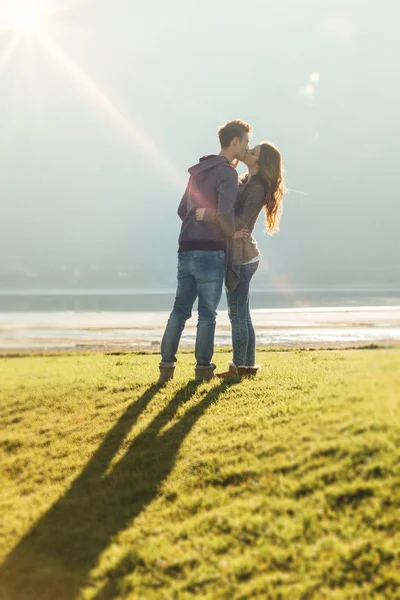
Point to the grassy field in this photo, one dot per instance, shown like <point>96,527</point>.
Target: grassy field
<point>286,486</point>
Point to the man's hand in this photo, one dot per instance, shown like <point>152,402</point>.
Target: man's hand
<point>242,233</point>
<point>200,214</point>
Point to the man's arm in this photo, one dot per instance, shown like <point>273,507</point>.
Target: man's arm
<point>182,209</point>
<point>227,192</point>
<point>252,206</point>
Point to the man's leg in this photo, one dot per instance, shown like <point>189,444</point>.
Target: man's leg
<point>209,269</point>
<point>182,311</point>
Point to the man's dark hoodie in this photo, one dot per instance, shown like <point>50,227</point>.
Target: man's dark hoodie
<point>213,184</point>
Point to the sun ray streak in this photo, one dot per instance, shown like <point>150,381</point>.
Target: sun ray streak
<point>297,192</point>
<point>143,141</point>
<point>8,52</point>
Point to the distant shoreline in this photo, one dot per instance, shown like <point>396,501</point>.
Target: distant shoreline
<point>150,291</point>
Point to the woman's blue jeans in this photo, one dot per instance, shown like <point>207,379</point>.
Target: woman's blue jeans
<point>243,336</point>
<point>200,275</point>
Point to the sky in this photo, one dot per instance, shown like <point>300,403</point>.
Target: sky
<point>104,106</point>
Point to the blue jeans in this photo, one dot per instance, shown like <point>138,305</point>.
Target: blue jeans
<point>200,274</point>
<point>243,336</point>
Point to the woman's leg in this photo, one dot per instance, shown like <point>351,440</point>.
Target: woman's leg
<point>237,317</point>
<point>238,308</point>
<point>251,346</point>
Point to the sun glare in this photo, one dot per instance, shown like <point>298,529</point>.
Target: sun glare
<point>25,21</point>
<point>32,18</point>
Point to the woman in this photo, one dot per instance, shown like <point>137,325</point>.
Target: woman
<point>262,187</point>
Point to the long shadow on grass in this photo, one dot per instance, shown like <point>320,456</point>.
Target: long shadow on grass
<point>55,558</point>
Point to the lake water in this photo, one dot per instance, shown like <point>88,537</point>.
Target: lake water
<point>162,300</point>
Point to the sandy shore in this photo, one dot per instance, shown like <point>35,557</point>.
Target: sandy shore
<point>287,328</point>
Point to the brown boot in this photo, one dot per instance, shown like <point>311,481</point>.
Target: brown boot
<point>166,372</point>
<point>232,372</point>
<point>248,371</point>
<point>204,372</point>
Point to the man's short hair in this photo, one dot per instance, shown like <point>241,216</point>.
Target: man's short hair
<point>233,129</point>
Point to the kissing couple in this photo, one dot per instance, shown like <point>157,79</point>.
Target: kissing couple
<point>219,211</point>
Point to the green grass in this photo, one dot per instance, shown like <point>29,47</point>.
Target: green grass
<point>286,486</point>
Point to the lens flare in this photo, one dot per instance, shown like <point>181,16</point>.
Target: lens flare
<point>22,16</point>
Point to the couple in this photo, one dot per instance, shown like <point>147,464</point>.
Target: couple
<point>218,214</point>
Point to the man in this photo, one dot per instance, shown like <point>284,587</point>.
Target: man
<point>213,183</point>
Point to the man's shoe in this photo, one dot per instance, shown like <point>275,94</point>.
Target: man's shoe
<point>166,372</point>
<point>204,373</point>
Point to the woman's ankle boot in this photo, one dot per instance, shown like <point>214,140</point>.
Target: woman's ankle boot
<point>232,372</point>
<point>248,371</point>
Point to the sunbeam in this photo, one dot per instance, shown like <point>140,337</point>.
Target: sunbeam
<point>145,143</point>
<point>29,18</point>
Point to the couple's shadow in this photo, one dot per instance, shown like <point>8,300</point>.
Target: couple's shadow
<point>55,558</point>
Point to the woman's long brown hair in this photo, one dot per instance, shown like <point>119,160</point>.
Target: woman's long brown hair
<point>272,173</point>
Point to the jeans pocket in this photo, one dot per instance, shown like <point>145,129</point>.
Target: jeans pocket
<point>209,267</point>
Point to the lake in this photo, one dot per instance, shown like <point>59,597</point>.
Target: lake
<point>81,300</point>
